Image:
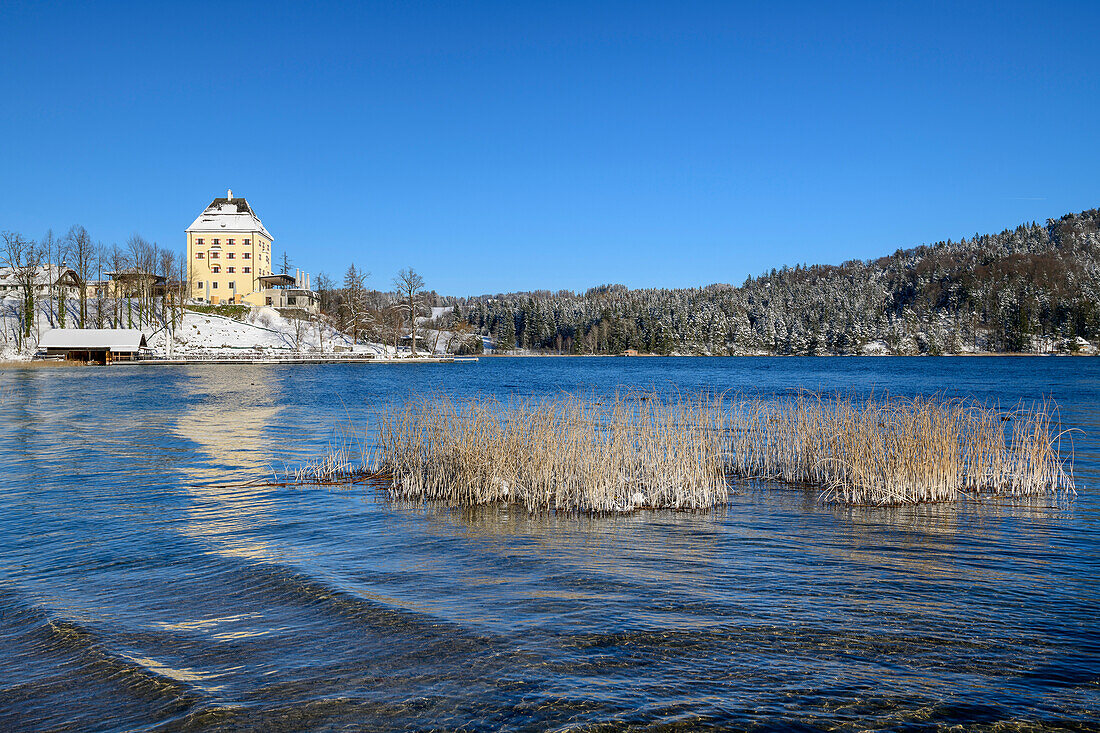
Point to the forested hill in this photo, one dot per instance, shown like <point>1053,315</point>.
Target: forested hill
<point>1032,288</point>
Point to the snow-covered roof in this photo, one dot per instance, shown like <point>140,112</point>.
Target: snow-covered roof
<point>230,215</point>
<point>45,275</point>
<point>135,273</point>
<point>115,339</point>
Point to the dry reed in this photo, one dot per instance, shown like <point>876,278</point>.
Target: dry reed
<point>645,450</point>
<point>570,453</point>
<point>899,451</point>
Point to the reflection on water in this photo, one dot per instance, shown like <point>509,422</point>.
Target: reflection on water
<point>229,418</point>
<point>234,421</point>
<point>142,586</point>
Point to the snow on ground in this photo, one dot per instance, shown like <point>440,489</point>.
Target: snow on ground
<point>264,330</point>
<point>439,310</point>
<point>875,348</point>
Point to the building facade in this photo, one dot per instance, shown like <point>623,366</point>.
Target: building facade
<point>44,281</point>
<point>228,250</point>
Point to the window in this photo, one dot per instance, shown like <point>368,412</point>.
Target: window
<point>215,255</point>
<point>215,241</point>
<point>198,284</point>
<point>232,285</point>
<point>198,255</point>
<point>214,285</point>
<point>230,255</point>
<point>246,256</point>
<point>198,241</point>
<point>246,269</point>
<point>269,301</point>
<point>230,241</point>
<point>230,269</point>
<point>247,242</point>
<point>215,268</point>
<point>290,300</point>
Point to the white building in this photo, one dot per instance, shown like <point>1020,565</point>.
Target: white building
<point>47,280</point>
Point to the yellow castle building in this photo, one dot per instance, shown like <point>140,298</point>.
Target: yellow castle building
<point>228,250</point>
<point>230,260</point>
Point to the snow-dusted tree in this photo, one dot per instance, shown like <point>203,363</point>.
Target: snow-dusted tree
<point>409,287</point>
<point>23,258</point>
<point>54,252</point>
<point>82,250</point>
<point>354,307</point>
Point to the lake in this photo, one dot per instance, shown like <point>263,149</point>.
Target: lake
<point>145,588</point>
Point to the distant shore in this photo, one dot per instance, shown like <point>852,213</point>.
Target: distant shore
<point>41,363</point>
<point>770,356</point>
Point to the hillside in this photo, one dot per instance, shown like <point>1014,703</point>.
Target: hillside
<point>1033,288</point>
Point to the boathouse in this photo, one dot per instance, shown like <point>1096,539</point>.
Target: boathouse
<point>92,345</point>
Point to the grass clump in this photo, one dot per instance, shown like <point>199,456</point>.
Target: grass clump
<point>899,451</point>
<point>570,453</point>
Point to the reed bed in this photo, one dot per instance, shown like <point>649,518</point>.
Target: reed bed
<point>894,451</point>
<point>648,450</point>
<point>570,453</point>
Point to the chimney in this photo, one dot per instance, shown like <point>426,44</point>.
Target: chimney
<point>229,194</point>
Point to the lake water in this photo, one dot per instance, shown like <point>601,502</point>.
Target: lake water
<point>141,588</point>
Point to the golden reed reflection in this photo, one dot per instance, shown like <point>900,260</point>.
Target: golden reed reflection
<point>936,542</point>
<point>595,542</point>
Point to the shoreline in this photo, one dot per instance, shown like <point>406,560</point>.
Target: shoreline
<point>43,363</point>
<point>780,356</point>
<point>295,360</point>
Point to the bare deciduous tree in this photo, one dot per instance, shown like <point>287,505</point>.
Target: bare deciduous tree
<point>22,257</point>
<point>82,251</point>
<point>410,289</point>
<point>54,253</point>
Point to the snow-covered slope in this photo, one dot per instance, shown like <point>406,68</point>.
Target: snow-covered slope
<point>262,330</point>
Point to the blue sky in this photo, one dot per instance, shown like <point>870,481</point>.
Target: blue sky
<point>514,145</point>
